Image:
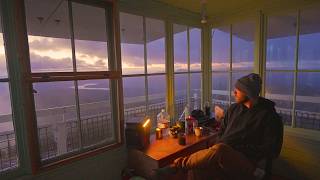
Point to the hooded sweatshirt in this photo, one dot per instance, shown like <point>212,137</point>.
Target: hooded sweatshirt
<point>251,131</point>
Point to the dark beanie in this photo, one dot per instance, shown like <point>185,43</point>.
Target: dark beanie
<point>250,84</point>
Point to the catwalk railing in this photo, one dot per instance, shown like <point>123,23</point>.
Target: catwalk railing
<point>55,140</point>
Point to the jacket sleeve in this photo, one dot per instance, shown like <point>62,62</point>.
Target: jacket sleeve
<point>272,137</point>
<point>223,125</point>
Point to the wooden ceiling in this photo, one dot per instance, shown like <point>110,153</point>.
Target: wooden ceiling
<point>222,8</point>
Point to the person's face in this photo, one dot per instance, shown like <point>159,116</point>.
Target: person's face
<point>240,96</point>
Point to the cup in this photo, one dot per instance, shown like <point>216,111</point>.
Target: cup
<point>198,131</point>
<point>158,133</point>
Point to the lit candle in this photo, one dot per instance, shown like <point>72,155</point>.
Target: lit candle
<point>146,123</point>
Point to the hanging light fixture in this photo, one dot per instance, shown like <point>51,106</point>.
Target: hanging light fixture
<point>203,11</point>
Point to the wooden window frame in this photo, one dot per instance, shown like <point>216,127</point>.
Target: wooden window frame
<point>19,69</point>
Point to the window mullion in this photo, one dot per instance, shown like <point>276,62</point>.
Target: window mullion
<point>293,123</point>
<point>145,65</point>
<point>230,66</point>
<point>75,70</point>
<point>188,65</point>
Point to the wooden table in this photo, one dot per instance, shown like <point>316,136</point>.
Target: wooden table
<point>163,152</point>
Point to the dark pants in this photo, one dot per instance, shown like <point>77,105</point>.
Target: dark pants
<point>217,162</point>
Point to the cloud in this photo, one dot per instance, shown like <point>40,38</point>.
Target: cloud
<point>46,63</point>
<point>91,52</point>
<point>40,43</point>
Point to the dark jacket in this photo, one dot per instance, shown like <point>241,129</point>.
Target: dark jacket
<point>253,132</point>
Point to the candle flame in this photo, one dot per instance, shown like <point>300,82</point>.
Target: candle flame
<point>146,123</point>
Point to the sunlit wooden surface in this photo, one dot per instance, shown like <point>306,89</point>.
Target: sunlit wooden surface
<point>163,152</point>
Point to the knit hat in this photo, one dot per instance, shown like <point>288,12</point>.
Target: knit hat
<point>250,84</point>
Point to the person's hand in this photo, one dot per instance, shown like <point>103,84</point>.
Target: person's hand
<point>219,113</point>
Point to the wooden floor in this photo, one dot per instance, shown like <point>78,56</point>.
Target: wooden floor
<point>300,155</point>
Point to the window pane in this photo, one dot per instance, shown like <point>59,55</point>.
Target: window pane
<point>132,49</point>
<point>195,49</point>
<point>180,48</point>
<point>157,96</point>
<point>308,100</point>
<point>281,42</point>
<point>134,97</point>
<point>279,88</point>
<point>309,40</point>
<point>49,36</point>
<point>155,45</point>
<point>220,89</point>
<point>89,25</point>
<point>8,147</point>
<point>180,85</point>
<point>195,91</point>
<point>58,127</point>
<point>243,45</point>
<point>3,64</point>
<point>221,48</point>
<point>95,112</point>
<point>157,89</point>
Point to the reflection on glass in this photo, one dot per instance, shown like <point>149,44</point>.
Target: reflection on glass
<point>309,40</point>
<point>220,89</point>
<point>155,45</point>
<point>180,44</point>
<point>279,88</point>
<point>95,111</point>
<point>58,128</point>
<point>195,91</point>
<point>49,36</point>
<point>281,42</point>
<point>90,37</point>
<point>221,48</point>
<point>8,147</point>
<point>195,49</point>
<point>132,49</point>
<point>243,45</point>
<point>308,100</point>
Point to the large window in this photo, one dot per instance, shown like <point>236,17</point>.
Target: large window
<point>293,67</point>
<point>280,60</point>
<point>143,66</point>
<point>8,146</point>
<point>232,58</point>
<point>187,67</point>
<point>71,78</point>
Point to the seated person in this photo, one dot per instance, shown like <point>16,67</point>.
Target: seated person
<point>247,135</point>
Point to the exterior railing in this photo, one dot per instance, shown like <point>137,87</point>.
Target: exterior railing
<point>95,129</point>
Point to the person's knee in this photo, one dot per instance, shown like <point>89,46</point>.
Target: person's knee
<point>221,147</point>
